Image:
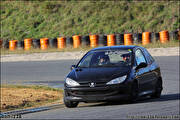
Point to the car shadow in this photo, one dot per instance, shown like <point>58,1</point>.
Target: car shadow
<point>147,99</point>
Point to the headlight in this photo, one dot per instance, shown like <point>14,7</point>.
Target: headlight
<point>71,82</point>
<point>117,80</point>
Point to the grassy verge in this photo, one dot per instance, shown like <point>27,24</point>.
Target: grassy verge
<point>172,43</point>
<point>21,51</point>
<point>45,18</point>
<point>20,97</point>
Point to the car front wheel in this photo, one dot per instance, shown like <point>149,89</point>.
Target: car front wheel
<point>70,104</point>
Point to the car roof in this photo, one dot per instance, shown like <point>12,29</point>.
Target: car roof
<point>122,47</point>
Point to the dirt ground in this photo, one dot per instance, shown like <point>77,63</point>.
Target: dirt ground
<point>13,98</point>
<point>171,51</point>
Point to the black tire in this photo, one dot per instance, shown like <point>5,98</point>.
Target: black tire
<point>102,40</point>
<point>20,44</point>
<point>85,40</point>
<point>158,90</point>
<point>135,38</point>
<point>36,43</point>
<point>119,39</point>
<point>70,104</point>
<point>153,39</point>
<point>53,43</point>
<point>157,36</point>
<point>69,41</point>
<point>5,44</point>
<point>173,35</point>
<point>134,93</point>
<point>139,40</point>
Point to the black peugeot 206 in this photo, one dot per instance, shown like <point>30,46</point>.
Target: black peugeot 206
<point>113,73</point>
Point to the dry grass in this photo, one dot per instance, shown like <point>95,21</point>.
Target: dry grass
<point>15,97</point>
<point>172,43</point>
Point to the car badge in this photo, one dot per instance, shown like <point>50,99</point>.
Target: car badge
<point>92,84</point>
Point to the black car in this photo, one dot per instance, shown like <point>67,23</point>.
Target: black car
<point>113,73</point>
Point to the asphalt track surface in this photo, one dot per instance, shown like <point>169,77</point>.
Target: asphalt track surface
<point>53,72</point>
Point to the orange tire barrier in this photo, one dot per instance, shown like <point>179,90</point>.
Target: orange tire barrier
<point>111,40</point>
<point>128,39</point>
<point>179,35</point>
<point>61,42</point>
<point>12,44</point>
<point>164,36</point>
<point>145,38</point>
<point>27,44</point>
<point>1,43</point>
<point>93,40</point>
<point>76,41</point>
<point>44,43</point>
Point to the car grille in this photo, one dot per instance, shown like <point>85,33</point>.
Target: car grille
<point>93,93</point>
<point>100,92</point>
<point>98,84</point>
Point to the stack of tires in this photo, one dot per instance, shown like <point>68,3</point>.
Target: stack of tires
<point>53,43</point>
<point>94,40</point>
<point>119,39</point>
<point>20,45</point>
<point>5,44</point>
<point>173,35</point>
<point>69,41</point>
<point>102,40</point>
<point>85,40</point>
<point>137,38</point>
<point>36,43</point>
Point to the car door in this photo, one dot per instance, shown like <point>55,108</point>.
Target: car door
<point>154,68</point>
<point>142,74</point>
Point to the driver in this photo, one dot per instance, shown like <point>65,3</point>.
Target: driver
<point>126,57</point>
<point>103,59</point>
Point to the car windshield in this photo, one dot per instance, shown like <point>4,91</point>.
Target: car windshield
<point>110,58</point>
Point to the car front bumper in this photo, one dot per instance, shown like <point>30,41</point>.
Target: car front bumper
<point>97,94</point>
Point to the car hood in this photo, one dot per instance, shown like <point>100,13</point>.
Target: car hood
<point>97,74</point>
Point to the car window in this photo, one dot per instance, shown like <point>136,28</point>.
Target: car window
<point>86,61</point>
<point>116,56</point>
<point>139,57</point>
<point>107,58</point>
<point>148,55</point>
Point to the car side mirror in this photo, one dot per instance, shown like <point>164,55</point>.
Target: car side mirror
<point>141,65</point>
<point>73,66</point>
